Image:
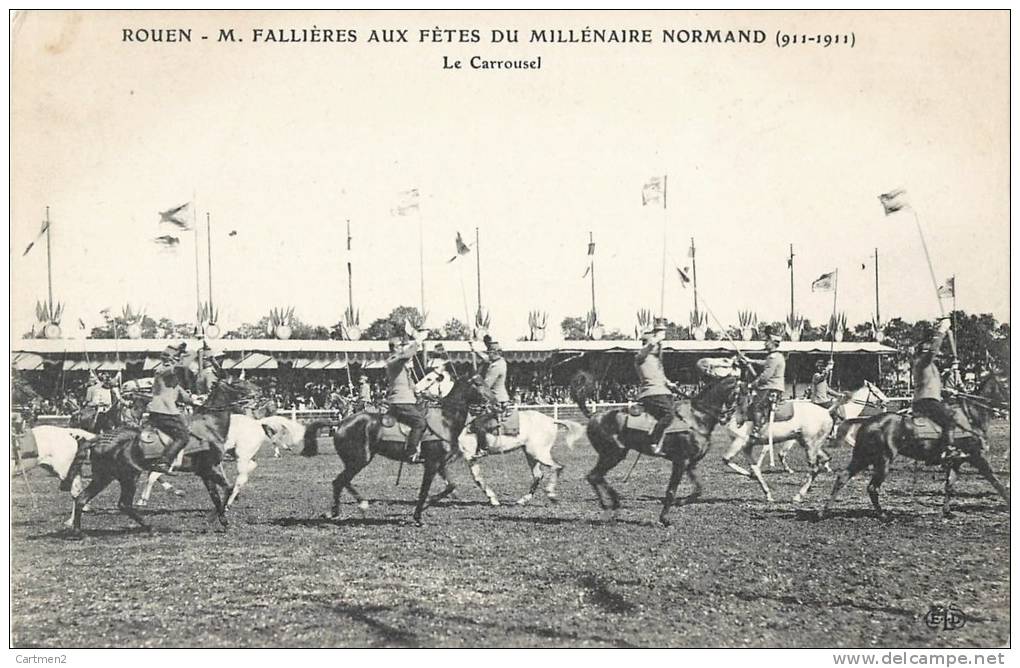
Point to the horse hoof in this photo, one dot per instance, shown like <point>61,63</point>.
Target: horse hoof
<point>789,470</point>
<point>797,498</point>
<point>75,534</point>
<point>665,521</point>
<point>86,508</point>
<point>769,498</point>
<point>141,503</point>
<point>523,501</point>
<point>362,506</point>
<point>493,501</point>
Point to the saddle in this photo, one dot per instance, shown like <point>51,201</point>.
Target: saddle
<point>639,420</point>
<point>152,442</point>
<point>924,428</point>
<point>507,423</point>
<point>396,432</point>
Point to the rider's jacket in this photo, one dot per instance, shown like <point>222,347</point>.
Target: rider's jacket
<point>820,387</point>
<point>365,393</point>
<point>650,373</point>
<point>99,395</point>
<point>167,391</point>
<point>206,380</point>
<point>495,379</point>
<point>927,382</point>
<point>773,371</point>
<point>400,383</point>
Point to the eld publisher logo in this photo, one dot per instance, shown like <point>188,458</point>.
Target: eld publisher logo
<point>945,617</point>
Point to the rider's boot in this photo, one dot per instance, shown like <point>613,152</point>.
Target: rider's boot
<point>413,445</point>
<point>658,435</point>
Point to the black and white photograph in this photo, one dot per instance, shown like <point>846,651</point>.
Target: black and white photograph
<point>450,329</point>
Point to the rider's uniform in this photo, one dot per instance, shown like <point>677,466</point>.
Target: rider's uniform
<point>820,393</point>
<point>401,396</point>
<point>654,394</point>
<point>769,384</point>
<point>928,386</point>
<point>163,411</point>
<point>494,373</point>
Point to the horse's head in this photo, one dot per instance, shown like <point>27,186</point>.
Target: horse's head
<point>721,397</point>
<point>232,394</point>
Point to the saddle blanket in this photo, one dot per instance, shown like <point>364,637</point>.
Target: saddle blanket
<point>639,420</point>
<point>924,428</point>
<point>394,431</point>
<point>784,411</point>
<point>509,424</point>
<point>153,443</point>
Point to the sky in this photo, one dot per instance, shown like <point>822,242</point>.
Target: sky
<point>285,143</point>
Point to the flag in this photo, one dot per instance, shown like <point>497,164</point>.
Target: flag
<point>233,233</point>
<point>789,263</point>
<point>167,241</point>
<point>178,216</point>
<point>690,251</point>
<point>893,201</point>
<point>81,324</point>
<point>685,275</point>
<point>824,283</point>
<point>462,248</point>
<point>652,191</point>
<point>408,203</point>
<point>591,256</point>
<point>42,231</point>
<point>948,289</point>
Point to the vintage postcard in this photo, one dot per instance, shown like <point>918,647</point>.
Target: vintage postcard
<point>511,329</point>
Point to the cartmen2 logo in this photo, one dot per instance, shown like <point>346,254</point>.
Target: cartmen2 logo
<point>945,617</point>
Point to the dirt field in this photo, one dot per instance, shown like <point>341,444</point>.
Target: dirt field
<point>732,571</point>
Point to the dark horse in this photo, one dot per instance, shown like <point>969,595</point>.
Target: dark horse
<point>359,438</point>
<point>684,449</point>
<point>882,437</point>
<point>119,456</point>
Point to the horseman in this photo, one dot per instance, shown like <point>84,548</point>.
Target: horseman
<point>99,397</point>
<point>493,373</point>
<point>820,393</point>
<point>400,394</point>
<point>211,373</point>
<point>656,391</point>
<point>439,376</point>
<point>163,411</point>
<point>928,385</point>
<point>364,393</point>
<point>769,385</point>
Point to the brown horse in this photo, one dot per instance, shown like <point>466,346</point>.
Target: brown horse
<point>360,437</point>
<point>882,437</point>
<point>119,456</point>
<point>684,449</point>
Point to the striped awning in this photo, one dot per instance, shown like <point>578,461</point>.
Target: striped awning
<point>26,361</point>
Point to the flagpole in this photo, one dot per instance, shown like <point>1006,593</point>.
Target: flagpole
<point>790,263</point>
<point>478,270</point>
<point>694,273</point>
<point>49,261</point>
<point>591,267</point>
<point>931,272</point>
<point>832,322</point>
<point>198,295</point>
<point>421,264</point>
<point>208,239</point>
<point>662,289</point>
<point>878,317</point>
<point>350,280</point>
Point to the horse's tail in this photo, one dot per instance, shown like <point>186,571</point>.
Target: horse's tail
<point>574,431</point>
<point>582,388</point>
<point>311,445</point>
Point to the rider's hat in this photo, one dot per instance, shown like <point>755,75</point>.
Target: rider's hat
<point>652,332</point>
<point>820,364</point>
<point>170,352</point>
<point>439,348</point>
<point>395,343</point>
<point>772,338</point>
<point>493,346</point>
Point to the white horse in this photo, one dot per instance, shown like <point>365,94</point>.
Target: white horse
<point>810,426</point>
<point>245,437</point>
<point>56,448</point>
<point>865,401</point>
<point>286,432</point>
<point>536,437</point>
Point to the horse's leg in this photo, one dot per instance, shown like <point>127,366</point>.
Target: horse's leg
<point>674,481</point>
<point>100,479</point>
<point>552,477</point>
<point>431,466</point>
<point>814,451</point>
<point>245,467</point>
<point>857,464</point>
<point>783,451</point>
<point>537,474</point>
<point>881,469</point>
<point>695,479</point>
<point>476,474</point>
<point>608,497</point>
<point>209,478</point>
<point>448,489</point>
<point>343,481</point>
<point>128,487</point>
<point>985,469</point>
<point>950,482</point>
<point>755,468</point>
